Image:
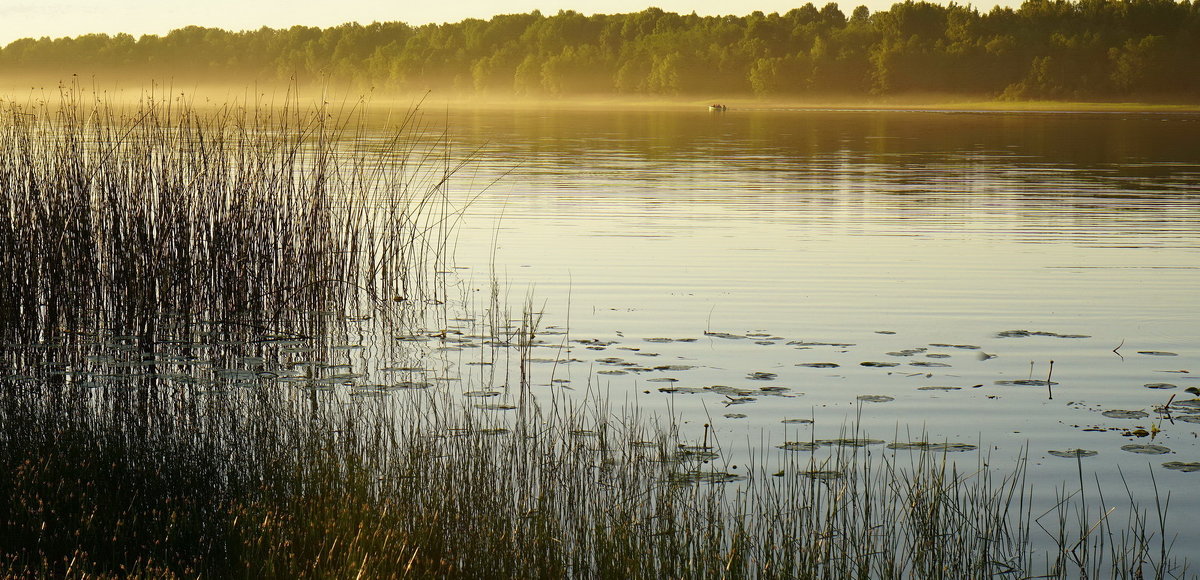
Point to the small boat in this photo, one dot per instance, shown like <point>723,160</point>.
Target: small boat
<point>718,108</point>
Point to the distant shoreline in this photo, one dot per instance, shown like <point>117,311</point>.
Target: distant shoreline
<point>268,94</point>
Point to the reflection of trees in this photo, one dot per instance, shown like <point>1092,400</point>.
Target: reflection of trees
<point>1044,49</point>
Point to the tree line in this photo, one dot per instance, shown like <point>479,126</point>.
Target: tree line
<point>1046,49</point>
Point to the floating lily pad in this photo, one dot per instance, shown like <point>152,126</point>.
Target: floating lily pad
<point>585,433</point>
<point>1024,383</point>
<point>481,394</point>
<point>937,355</point>
<point>696,453</point>
<point>1187,404</point>
<point>1120,414</point>
<point>930,364</point>
<point>907,352</point>
<point>724,335</point>
<point>936,388</point>
<point>822,474</point>
<point>1187,467</point>
<point>644,444</point>
<point>496,407</point>
<point>412,385</point>
<point>879,364</point>
<point>659,339</point>
<point>1187,418</point>
<point>1157,353</point>
<point>797,421</point>
<point>735,415</point>
<point>1024,333</point>
<point>1146,449</point>
<point>819,365</point>
<point>799,446</point>
<point>710,477</point>
<point>1160,386</point>
<point>961,346</point>
<point>876,398</point>
<point>674,367</point>
<point>927,446</point>
<point>681,390</point>
<point>612,372</point>
<point>806,343</point>
<point>663,380</point>
<point>1074,453</point>
<point>885,332</point>
<point>761,376</point>
<point>849,442</point>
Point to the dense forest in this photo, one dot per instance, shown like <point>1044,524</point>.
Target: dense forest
<point>1046,49</point>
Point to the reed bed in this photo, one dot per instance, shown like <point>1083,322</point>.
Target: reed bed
<point>179,290</point>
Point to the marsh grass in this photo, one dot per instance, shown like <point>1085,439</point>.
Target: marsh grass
<point>176,288</point>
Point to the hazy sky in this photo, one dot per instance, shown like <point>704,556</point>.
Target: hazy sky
<point>36,18</point>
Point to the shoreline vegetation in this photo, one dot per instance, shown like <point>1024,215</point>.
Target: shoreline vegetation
<point>228,431</point>
<point>1045,51</point>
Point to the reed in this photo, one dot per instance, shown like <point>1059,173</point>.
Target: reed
<point>181,292</point>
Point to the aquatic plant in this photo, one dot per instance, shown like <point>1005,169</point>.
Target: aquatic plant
<point>191,304</point>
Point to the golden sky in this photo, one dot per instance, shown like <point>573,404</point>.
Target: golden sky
<point>54,18</point>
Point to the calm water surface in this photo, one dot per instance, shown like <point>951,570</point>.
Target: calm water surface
<point>772,239</point>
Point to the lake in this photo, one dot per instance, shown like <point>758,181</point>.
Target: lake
<point>903,336</point>
<point>933,263</point>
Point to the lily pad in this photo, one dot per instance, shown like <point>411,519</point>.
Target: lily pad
<point>1157,353</point>
<point>724,335</point>
<point>1186,467</point>
<point>846,442</point>
<point>1146,449</point>
<point>1160,386</point>
<point>927,446</point>
<point>481,394</point>
<point>761,376</point>
<point>1121,414</point>
<point>879,364</point>
<point>822,474</point>
<point>936,388</point>
<point>876,398</point>
<point>819,365</point>
<point>496,406</point>
<point>799,446</point>
<point>803,343</point>
<point>412,385</point>
<point>674,367</point>
<point>925,363</point>
<point>710,477</point>
<point>1024,333</point>
<point>735,415</point>
<point>1025,383</point>
<point>797,421</point>
<point>1074,453</point>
